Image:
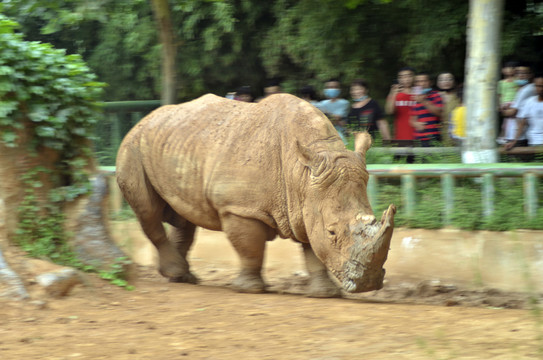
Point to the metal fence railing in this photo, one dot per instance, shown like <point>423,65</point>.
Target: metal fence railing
<point>409,173</point>
<point>119,117</point>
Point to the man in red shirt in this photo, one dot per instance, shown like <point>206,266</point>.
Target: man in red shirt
<point>426,114</point>
<point>399,102</point>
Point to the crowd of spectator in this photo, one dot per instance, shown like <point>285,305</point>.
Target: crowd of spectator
<point>426,114</point>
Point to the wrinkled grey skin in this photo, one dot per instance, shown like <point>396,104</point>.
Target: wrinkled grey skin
<point>255,171</point>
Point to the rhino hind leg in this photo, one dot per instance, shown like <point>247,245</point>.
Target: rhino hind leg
<point>171,264</point>
<point>149,208</point>
<point>182,237</point>
<point>248,237</point>
<point>320,284</point>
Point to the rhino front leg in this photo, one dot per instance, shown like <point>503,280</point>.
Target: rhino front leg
<point>248,237</point>
<point>320,284</point>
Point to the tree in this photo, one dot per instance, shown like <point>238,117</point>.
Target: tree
<point>482,69</point>
<point>161,10</point>
<point>227,43</point>
<point>369,39</point>
<point>49,185</point>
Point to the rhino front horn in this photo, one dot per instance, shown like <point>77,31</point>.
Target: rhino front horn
<point>364,271</point>
<point>383,237</point>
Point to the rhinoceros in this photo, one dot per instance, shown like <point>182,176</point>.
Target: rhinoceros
<point>255,171</point>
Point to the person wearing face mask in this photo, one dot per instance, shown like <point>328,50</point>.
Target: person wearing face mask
<point>426,113</point>
<point>531,117</point>
<point>523,74</point>
<point>365,113</point>
<point>335,107</point>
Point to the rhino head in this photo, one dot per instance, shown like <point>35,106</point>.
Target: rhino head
<point>339,221</point>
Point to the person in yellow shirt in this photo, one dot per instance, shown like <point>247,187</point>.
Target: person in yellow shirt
<point>458,118</point>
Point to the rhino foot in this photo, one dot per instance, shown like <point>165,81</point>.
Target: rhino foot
<point>321,286</point>
<point>249,283</point>
<point>172,265</point>
<point>188,278</point>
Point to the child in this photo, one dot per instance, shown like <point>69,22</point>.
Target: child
<point>458,118</point>
<point>507,89</point>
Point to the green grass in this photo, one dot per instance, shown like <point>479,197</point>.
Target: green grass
<point>468,210</point>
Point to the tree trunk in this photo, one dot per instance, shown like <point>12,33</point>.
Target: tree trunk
<point>15,162</point>
<point>161,10</point>
<point>86,216</point>
<point>11,285</point>
<point>482,70</point>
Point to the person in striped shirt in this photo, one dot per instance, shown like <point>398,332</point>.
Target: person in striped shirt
<point>426,113</point>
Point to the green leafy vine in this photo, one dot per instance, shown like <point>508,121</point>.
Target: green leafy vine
<point>53,100</point>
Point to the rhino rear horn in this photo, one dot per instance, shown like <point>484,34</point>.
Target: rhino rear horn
<point>362,142</point>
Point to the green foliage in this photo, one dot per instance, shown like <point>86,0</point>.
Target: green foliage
<point>117,274</point>
<point>368,39</point>
<point>40,231</point>
<point>126,53</point>
<point>52,98</point>
<point>55,16</point>
<point>468,212</point>
<point>55,92</point>
<point>221,45</point>
<point>228,43</point>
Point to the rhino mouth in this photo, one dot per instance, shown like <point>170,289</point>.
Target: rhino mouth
<point>364,270</point>
<point>357,286</point>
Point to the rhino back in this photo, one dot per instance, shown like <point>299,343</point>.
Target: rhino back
<point>213,155</point>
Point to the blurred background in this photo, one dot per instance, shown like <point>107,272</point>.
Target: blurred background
<point>221,45</point>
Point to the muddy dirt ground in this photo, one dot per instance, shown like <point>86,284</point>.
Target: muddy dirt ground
<point>161,320</point>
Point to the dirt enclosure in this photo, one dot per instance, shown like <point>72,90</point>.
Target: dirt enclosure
<point>161,320</point>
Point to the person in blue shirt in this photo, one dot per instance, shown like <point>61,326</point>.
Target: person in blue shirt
<point>334,106</point>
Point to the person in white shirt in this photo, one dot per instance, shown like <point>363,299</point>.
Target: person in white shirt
<point>530,117</point>
<point>523,74</point>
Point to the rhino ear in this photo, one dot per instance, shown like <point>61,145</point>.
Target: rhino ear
<point>362,142</point>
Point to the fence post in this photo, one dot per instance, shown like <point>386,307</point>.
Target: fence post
<point>488,195</point>
<point>115,130</point>
<point>373,183</point>
<point>447,186</point>
<point>408,194</point>
<point>530,195</point>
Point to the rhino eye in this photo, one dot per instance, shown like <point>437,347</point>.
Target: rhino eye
<point>331,232</point>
